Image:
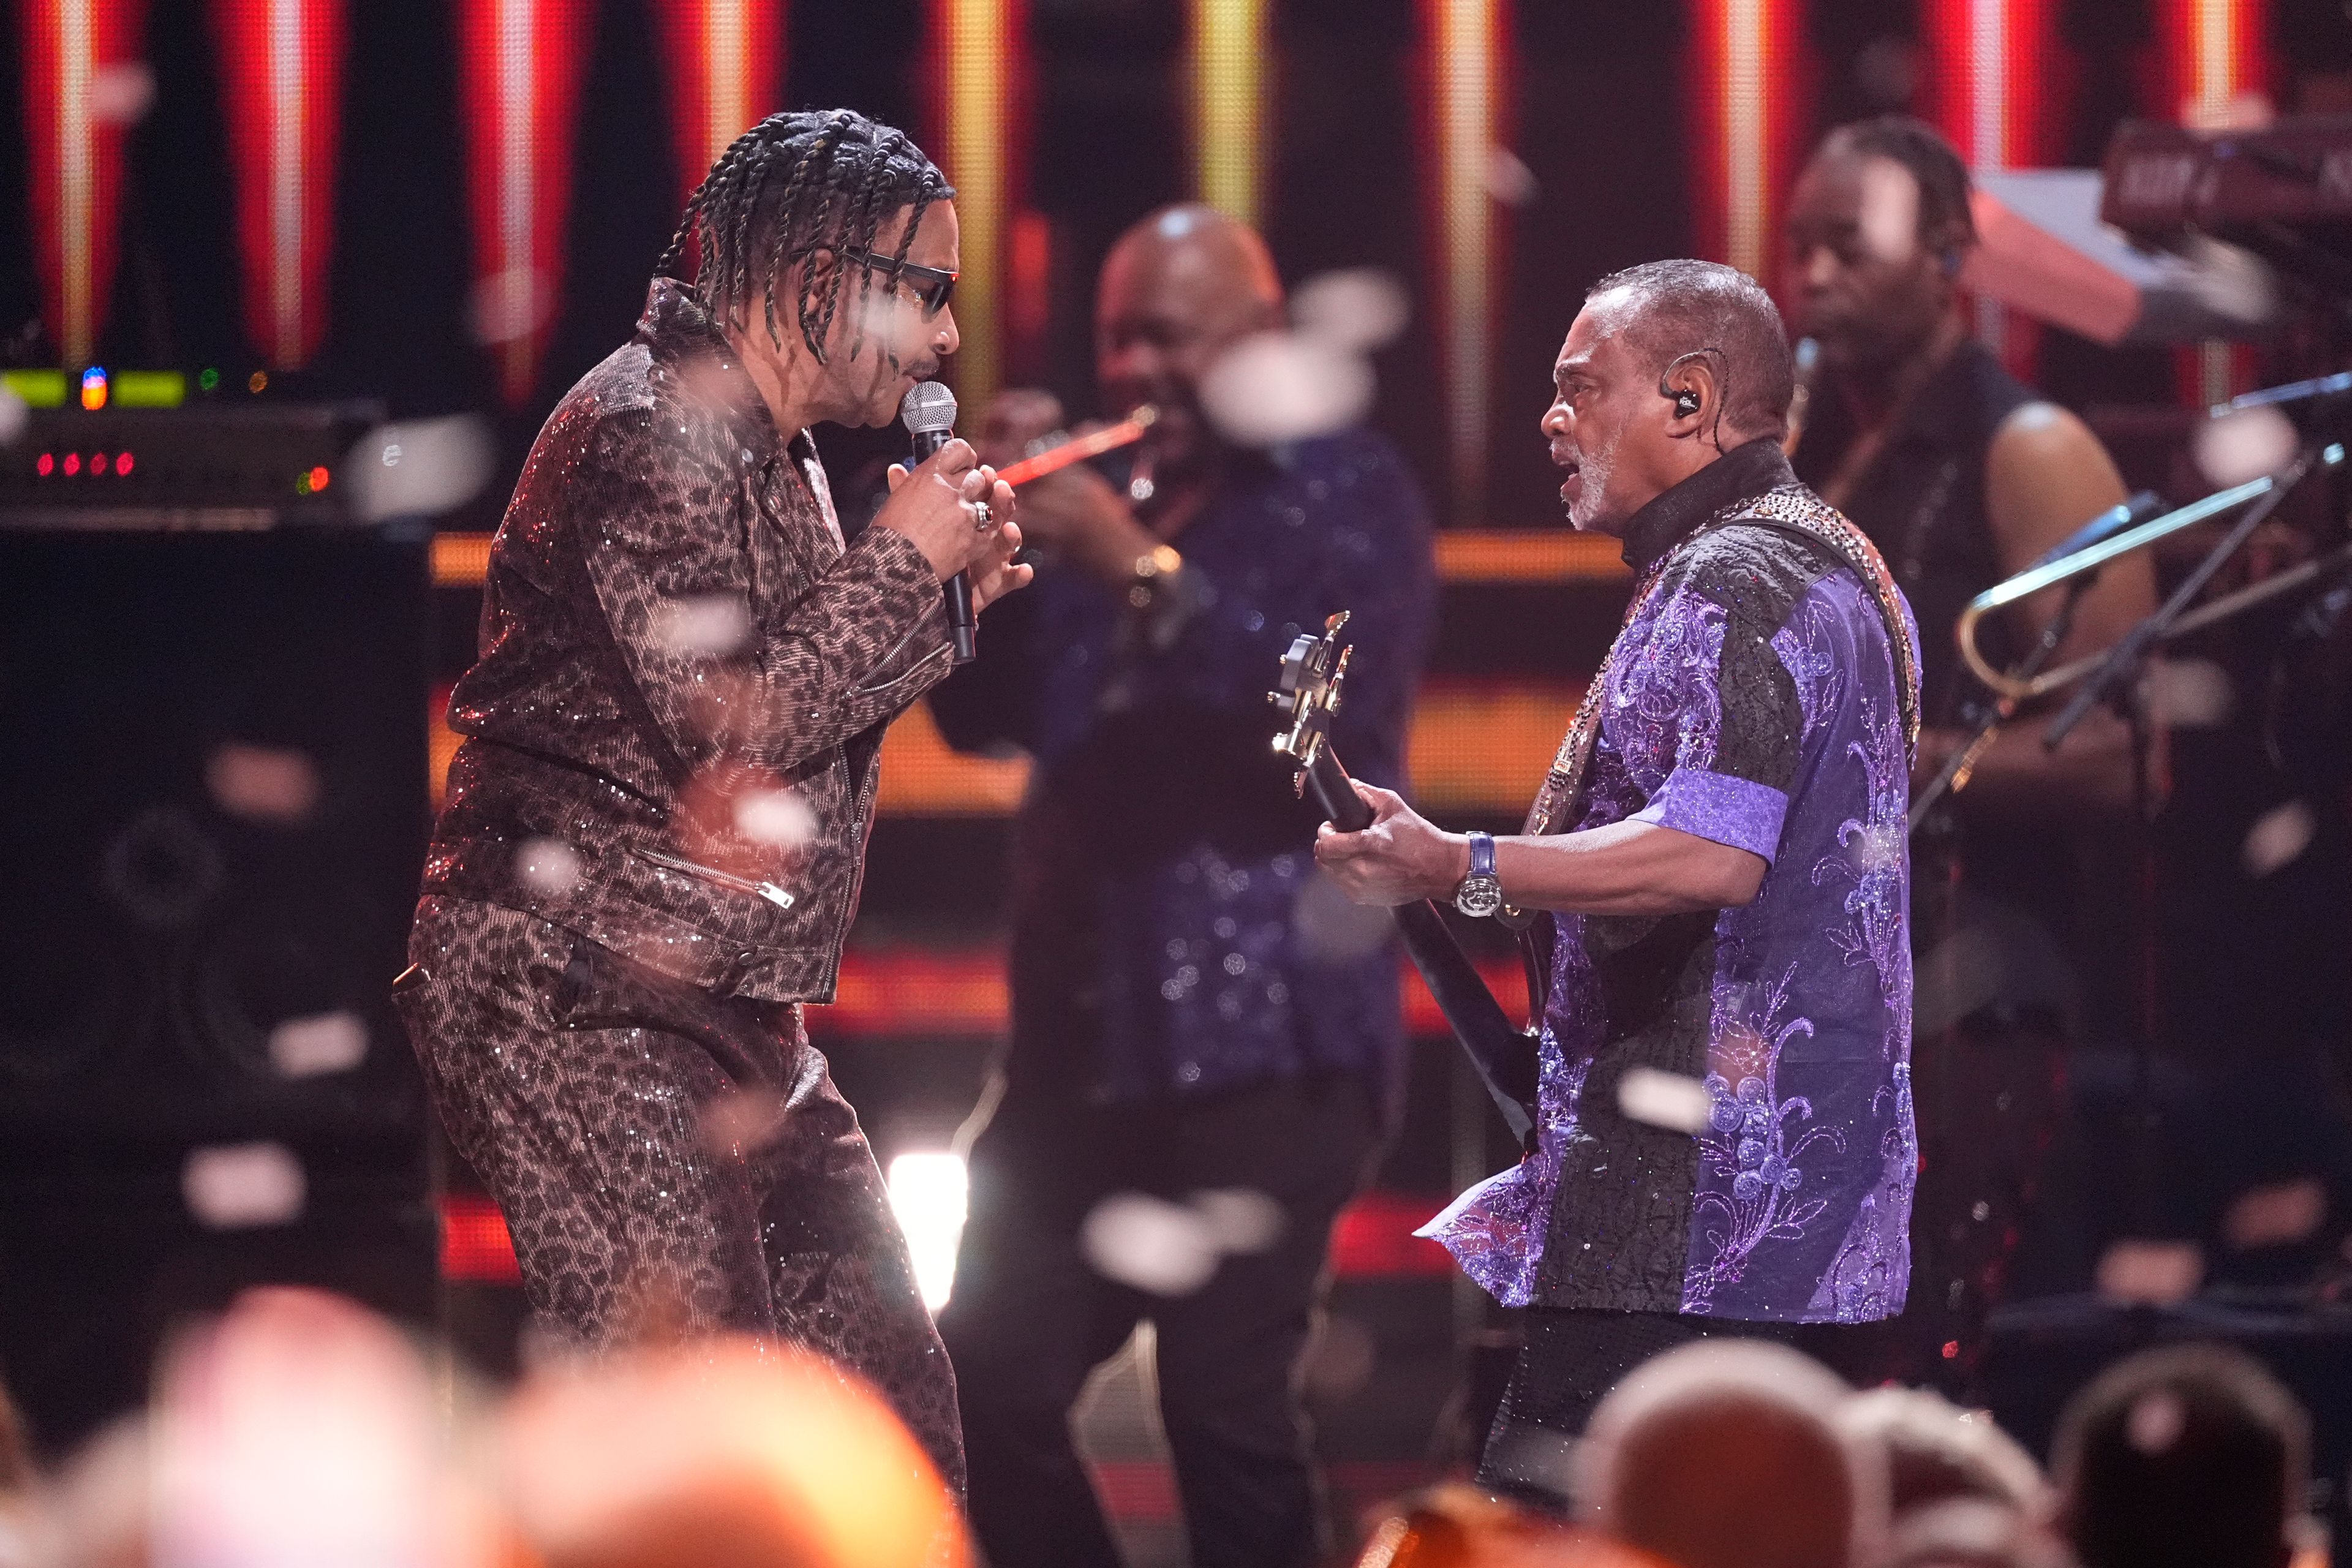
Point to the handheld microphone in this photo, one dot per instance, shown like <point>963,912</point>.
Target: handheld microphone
<point>928,413</point>
<point>2106,525</point>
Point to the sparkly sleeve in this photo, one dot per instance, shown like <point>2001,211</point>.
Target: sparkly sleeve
<point>673,578</point>
<point>1350,532</point>
<point>1737,723</point>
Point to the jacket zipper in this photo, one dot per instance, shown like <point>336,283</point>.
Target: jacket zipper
<point>684,868</point>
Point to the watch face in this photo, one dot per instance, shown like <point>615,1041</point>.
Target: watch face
<point>1480,896</point>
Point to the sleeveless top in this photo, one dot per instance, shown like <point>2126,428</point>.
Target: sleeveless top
<point>2029,889</point>
<point>1922,502</point>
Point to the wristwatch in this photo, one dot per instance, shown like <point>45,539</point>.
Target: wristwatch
<point>1481,892</point>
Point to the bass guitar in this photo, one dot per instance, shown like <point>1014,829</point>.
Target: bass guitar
<point>1313,672</point>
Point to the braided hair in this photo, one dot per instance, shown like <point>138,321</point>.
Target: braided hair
<point>791,186</point>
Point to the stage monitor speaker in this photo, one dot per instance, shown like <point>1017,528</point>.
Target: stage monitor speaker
<point>212,819</point>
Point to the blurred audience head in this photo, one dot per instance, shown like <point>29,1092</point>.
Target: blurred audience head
<point>2192,1454</point>
<point>721,1455</point>
<point>1461,1527</point>
<point>1728,1454</point>
<point>1972,1532</point>
<point>1933,1450</point>
<point>296,1429</point>
<point>1179,290</point>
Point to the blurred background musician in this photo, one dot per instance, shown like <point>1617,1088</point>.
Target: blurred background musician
<point>1963,476</point>
<point>1195,1011</point>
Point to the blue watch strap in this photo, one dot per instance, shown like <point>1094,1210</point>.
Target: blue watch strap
<point>1481,854</point>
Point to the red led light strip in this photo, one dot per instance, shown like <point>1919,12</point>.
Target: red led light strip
<point>82,87</point>
<point>519,69</point>
<point>281,88</point>
<point>1467,106</point>
<point>915,992</point>
<point>1372,1239</point>
<point>725,60</point>
<point>1748,73</point>
<point>1988,67</point>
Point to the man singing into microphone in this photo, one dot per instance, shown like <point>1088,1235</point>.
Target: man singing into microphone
<point>1718,864</point>
<point>656,824</point>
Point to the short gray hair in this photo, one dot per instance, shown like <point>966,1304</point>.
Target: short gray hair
<point>1684,307</point>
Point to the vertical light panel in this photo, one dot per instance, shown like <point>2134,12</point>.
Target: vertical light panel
<point>1988,76</point>
<point>979,44</point>
<point>1986,66</point>
<point>1226,81</point>
<point>78,58</point>
<point>281,79</point>
<point>519,69</point>
<point>2214,59</point>
<point>1746,79</point>
<point>1463,42</point>
<point>725,60</point>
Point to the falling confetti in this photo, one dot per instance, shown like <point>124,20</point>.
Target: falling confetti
<point>709,625</point>
<point>241,1186</point>
<point>1273,388</point>
<point>2278,838</point>
<point>318,1044</point>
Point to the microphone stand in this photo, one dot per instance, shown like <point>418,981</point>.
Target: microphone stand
<point>1960,766</point>
<point>2130,652</point>
<point>2116,681</point>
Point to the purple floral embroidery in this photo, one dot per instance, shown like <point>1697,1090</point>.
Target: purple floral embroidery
<point>1872,1272</point>
<point>1749,1138</point>
<point>1876,855</point>
<point>1805,653</point>
<point>1664,709</point>
<point>1495,1229</point>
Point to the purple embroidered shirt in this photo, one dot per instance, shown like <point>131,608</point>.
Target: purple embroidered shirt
<point>1752,700</point>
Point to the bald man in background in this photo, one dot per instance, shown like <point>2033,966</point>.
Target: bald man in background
<point>1206,1041</point>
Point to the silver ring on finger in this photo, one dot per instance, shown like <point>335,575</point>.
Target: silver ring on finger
<point>983,517</point>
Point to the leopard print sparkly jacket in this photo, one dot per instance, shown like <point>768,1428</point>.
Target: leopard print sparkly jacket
<point>673,733</point>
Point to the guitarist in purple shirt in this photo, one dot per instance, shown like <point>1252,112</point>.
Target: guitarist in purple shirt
<point>1718,867</point>
<point>1196,1010</point>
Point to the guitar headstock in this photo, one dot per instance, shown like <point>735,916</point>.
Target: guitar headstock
<point>1308,692</point>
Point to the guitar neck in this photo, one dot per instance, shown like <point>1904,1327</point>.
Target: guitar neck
<point>1505,1058</point>
<point>1335,796</point>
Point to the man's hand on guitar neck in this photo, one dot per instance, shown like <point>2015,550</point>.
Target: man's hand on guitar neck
<point>1401,858</point>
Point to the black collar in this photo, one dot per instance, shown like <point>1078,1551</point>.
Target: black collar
<point>1742,474</point>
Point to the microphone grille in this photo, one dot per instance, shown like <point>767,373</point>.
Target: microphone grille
<point>929,406</point>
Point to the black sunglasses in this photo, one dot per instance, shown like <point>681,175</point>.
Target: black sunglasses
<point>930,285</point>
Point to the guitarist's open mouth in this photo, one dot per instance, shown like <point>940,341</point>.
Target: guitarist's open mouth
<point>1573,485</point>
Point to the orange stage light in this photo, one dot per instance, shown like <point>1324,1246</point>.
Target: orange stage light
<point>1465,45</point>
<point>980,48</point>
<point>1225,103</point>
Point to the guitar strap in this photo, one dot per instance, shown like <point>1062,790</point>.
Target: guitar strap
<point>1793,509</point>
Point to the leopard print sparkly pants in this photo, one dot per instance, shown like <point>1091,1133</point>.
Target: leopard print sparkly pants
<point>669,1160</point>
